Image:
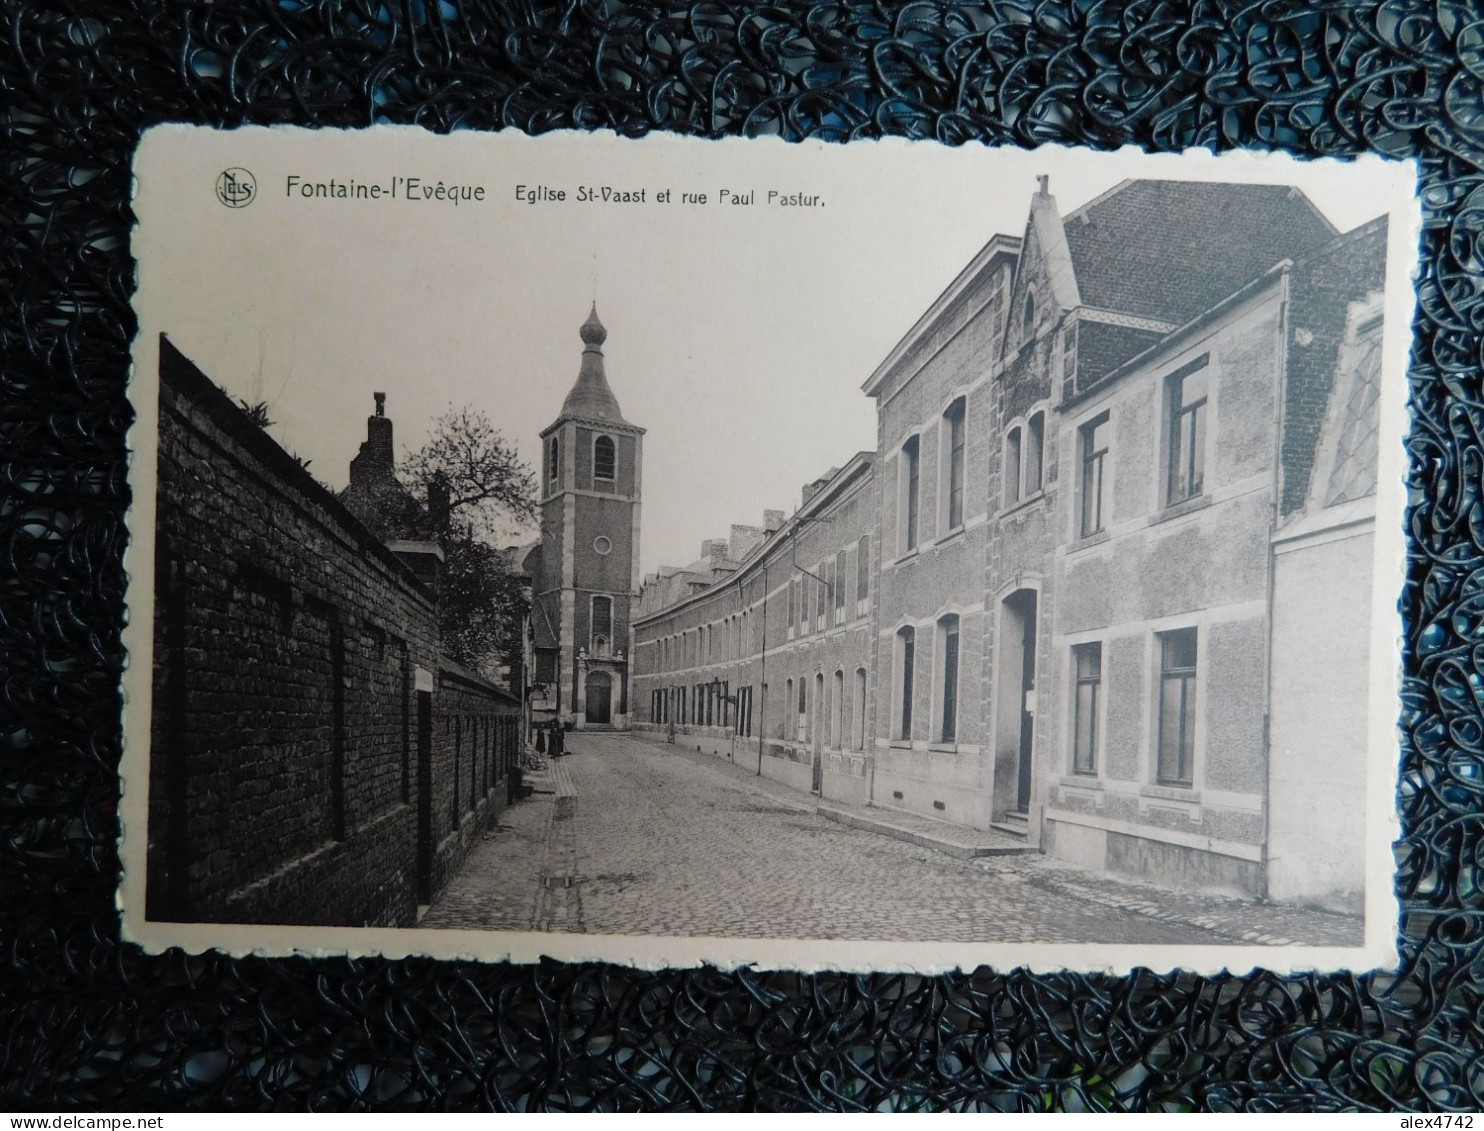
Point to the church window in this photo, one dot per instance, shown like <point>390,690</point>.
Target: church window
<point>1028,322</point>
<point>554,459</point>
<point>602,620</point>
<point>605,458</point>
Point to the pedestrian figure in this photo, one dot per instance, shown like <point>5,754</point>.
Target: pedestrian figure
<point>670,732</point>
<point>541,739</point>
<point>558,743</point>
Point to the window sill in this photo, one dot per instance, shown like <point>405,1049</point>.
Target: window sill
<point>1180,509</point>
<point>910,555</point>
<point>951,536</point>
<point>1171,793</point>
<point>1022,504</point>
<point>943,747</point>
<point>900,744</point>
<point>1089,541</point>
<point>1078,780</point>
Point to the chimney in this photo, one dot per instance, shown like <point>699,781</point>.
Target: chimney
<point>438,503</point>
<point>375,463</point>
<point>1043,185</point>
<point>772,521</point>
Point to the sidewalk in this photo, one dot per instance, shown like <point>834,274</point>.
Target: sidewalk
<point>1229,917</point>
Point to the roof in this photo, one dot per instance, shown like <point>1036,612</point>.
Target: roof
<point>591,398</point>
<point>1172,249</point>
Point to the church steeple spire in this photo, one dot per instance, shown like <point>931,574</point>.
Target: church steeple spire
<point>591,398</point>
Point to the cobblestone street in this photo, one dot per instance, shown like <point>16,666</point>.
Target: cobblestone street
<point>640,838</point>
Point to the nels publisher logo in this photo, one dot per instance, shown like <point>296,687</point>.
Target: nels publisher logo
<point>236,188</point>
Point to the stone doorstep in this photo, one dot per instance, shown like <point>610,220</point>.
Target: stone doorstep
<point>952,840</point>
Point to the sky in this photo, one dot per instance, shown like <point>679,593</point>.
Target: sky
<point>738,335</point>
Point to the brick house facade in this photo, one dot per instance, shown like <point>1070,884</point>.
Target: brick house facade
<point>314,760</point>
<point>1117,479</point>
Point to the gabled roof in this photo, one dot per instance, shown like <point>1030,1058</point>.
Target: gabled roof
<point>1171,249</point>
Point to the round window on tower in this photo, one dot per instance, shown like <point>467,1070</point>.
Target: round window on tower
<point>602,545</point>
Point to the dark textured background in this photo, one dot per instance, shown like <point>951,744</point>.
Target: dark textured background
<point>85,1021</point>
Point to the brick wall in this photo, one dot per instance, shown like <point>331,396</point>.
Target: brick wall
<point>285,769</point>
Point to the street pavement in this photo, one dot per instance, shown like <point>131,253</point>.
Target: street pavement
<point>637,837</point>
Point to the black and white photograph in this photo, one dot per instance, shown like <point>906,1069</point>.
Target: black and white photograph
<point>884,557</point>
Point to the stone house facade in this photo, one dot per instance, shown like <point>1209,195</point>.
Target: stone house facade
<point>313,758</point>
<point>1122,484</point>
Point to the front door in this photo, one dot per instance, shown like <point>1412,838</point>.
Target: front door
<point>1027,702</point>
<point>599,698</point>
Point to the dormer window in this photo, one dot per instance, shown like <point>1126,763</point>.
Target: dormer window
<point>605,458</point>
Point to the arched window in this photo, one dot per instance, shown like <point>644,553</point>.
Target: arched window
<point>910,488</point>
<point>858,711</point>
<point>837,711</point>
<point>906,663</point>
<point>952,442</point>
<point>605,458</point>
<point>602,622</point>
<point>554,459</point>
<point>1028,322</point>
<point>948,678</point>
<point>801,731</point>
<point>1012,466</point>
<point>1035,445</point>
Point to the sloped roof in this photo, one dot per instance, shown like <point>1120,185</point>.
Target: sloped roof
<point>1172,249</point>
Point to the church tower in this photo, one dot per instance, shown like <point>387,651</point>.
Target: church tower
<point>587,577</point>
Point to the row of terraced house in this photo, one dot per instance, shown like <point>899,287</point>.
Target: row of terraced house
<point>1104,583</point>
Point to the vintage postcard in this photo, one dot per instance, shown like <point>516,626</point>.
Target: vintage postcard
<point>867,557</point>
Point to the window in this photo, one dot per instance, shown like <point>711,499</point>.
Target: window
<point>1069,353</point>
<point>906,664</point>
<point>839,572</point>
<point>1187,437</point>
<point>948,700</point>
<point>793,603</point>
<point>602,621</point>
<point>804,596</point>
<point>858,711</point>
<point>1087,669</point>
<point>1177,671</point>
<point>862,573</point>
<point>788,698</point>
<point>837,711</point>
<point>605,458</point>
<point>911,485</point>
<point>801,731</point>
<point>1028,317</point>
<point>818,721</point>
<point>1012,467</point>
<point>821,594</point>
<point>1094,451</point>
<point>1035,444</point>
<point>554,459</point>
<point>953,433</point>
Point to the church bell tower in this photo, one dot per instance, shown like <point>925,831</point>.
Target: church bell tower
<point>588,576</point>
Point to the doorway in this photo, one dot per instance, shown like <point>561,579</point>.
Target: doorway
<point>599,698</point>
<point>1015,724</point>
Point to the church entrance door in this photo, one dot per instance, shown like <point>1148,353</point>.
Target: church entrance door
<point>599,698</point>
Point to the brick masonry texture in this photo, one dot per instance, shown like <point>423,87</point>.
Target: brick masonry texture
<point>295,776</point>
